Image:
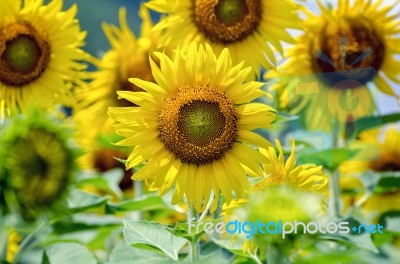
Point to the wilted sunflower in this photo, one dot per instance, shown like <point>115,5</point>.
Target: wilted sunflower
<point>37,162</point>
<point>39,54</point>
<point>341,51</point>
<point>306,176</point>
<point>249,28</point>
<point>128,57</point>
<point>192,127</point>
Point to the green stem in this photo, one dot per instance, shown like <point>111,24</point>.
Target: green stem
<point>26,243</point>
<point>3,238</point>
<point>194,244</point>
<point>335,193</point>
<point>335,176</point>
<point>138,191</point>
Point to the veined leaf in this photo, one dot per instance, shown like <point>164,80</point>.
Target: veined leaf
<point>67,253</point>
<point>153,234</point>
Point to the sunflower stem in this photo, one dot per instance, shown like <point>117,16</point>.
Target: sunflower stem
<point>138,191</point>
<point>26,243</point>
<point>335,176</point>
<point>194,245</point>
<point>3,238</point>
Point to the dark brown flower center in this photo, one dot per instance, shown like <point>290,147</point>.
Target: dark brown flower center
<point>350,50</point>
<point>198,124</point>
<point>227,21</point>
<point>24,54</point>
<point>389,162</point>
<point>138,67</point>
<point>106,159</point>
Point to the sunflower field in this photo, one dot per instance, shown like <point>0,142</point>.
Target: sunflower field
<point>199,131</point>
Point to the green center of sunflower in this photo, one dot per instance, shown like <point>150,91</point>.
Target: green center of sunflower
<point>227,21</point>
<point>350,50</point>
<point>198,124</point>
<point>201,122</point>
<point>39,166</point>
<point>230,12</point>
<point>21,54</point>
<point>24,54</point>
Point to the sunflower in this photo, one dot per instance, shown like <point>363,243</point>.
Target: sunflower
<point>375,154</point>
<point>380,155</point>
<point>341,52</point>
<point>279,204</point>
<point>248,28</point>
<point>37,163</point>
<point>39,55</point>
<point>128,57</point>
<point>306,176</point>
<point>192,127</point>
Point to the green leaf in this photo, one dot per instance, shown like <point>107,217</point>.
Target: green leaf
<point>124,254</point>
<point>80,201</point>
<point>362,241</point>
<point>182,230</point>
<point>143,203</point>
<point>234,246</point>
<point>283,118</point>
<point>211,253</point>
<point>153,234</point>
<point>388,182</point>
<point>67,253</point>
<point>107,182</point>
<point>366,123</point>
<point>329,158</point>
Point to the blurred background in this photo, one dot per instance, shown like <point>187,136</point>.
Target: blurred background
<point>92,13</point>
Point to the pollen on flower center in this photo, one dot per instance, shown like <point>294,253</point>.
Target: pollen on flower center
<point>351,50</point>
<point>227,21</point>
<point>201,122</point>
<point>24,54</point>
<point>198,124</point>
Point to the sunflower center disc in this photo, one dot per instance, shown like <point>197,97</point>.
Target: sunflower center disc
<point>41,176</point>
<point>201,122</point>
<point>24,54</point>
<point>227,21</point>
<point>198,125</point>
<point>138,67</point>
<point>352,50</point>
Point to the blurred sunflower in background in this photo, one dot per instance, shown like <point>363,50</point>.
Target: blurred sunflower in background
<point>37,164</point>
<point>342,50</point>
<point>128,57</point>
<point>279,204</point>
<point>192,127</point>
<point>250,28</point>
<point>40,55</point>
<point>278,172</point>
<point>379,153</point>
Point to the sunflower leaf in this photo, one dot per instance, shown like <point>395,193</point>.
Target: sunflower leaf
<point>139,233</point>
<point>329,158</point>
<point>80,201</point>
<point>68,253</point>
<point>124,254</point>
<point>143,203</point>
<point>366,123</point>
